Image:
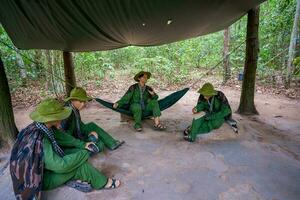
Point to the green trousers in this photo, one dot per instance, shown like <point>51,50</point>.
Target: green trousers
<point>85,172</point>
<point>104,139</point>
<point>201,126</point>
<point>137,111</point>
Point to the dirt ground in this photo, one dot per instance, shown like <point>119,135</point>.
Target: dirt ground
<point>262,162</point>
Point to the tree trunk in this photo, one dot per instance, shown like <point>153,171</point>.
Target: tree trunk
<point>61,72</point>
<point>38,62</point>
<point>292,47</point>
<point>69,72</point>
<point>21,65</point>
<point>247,106</point>
<point>57,72</point>
<point>8,129</point>
<point>49,74</point>
<point>226,67</point>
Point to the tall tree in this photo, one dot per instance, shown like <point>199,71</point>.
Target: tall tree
<point>57,72</point>
<point>21,65</point>
<point>8,129</point>
<point>226,67</point>
<point>38,62</point>
<point>69,72</point>
<point>292,47</point>
<point>247,106</point>
<point>49,74</point>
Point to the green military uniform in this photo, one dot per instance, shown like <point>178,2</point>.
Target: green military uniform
<point>68,142</point>
<point>140,100</point>
<point>81,130</point>
<point>104,139</point>
<point>217,109</point>
<point>37,161</point>
<point>59,170</point>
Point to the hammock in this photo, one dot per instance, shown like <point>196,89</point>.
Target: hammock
<point>164,103</point>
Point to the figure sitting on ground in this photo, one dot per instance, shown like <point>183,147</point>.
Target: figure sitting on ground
<point>39,163</point>
<point>140,98</point>
<point>89,132</point>
<point>217,110</point>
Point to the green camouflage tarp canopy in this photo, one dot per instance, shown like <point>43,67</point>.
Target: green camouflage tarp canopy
<point>88,25</point>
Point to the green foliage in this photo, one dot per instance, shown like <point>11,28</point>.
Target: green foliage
<point>296,63</point>
<point>171,63</point>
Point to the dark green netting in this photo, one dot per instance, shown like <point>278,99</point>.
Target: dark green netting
<point>88,25</point>
<point>164,103</point>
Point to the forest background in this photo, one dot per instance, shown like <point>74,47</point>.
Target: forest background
<point>217,57</point>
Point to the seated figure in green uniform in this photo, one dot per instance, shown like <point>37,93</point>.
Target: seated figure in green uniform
<point>141,97</point>
<point>39,163</point>
<point>89,132</point>
<point>217,110</point>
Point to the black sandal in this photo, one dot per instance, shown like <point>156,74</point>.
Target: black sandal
<point>139,129</point>
<point>188,138</point>
<point>186,131</point>
<point>159,127</point>
<point>113,184</point>
<point>93,148</point>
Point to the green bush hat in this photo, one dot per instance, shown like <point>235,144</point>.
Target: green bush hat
<point>78,93</point>
<point>50,110</point>
<point>136,77</point>
<point>207,90</point>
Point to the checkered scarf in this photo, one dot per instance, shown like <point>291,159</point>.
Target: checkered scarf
<point>50,134</point>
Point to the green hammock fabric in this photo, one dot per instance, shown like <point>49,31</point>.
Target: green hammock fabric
<point>164,103</point>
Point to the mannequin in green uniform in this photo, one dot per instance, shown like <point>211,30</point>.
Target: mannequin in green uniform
<point>86,132</point>
<point>141,97</point>
<point>38,162</point>
<point>217,109</point>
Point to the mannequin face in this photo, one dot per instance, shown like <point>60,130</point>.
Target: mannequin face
<point>143,79</point>
<point>207,97</point>
<point>55,124</point>
<point>79,105</point>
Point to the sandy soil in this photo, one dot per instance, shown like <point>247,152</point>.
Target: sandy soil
<point>262,162</point>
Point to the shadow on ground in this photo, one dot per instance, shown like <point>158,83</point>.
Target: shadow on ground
<point>261,162</point>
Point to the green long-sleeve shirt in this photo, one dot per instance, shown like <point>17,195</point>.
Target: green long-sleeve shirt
<point>217,109</point>
<point>133,96</point>
<point>66,164</point>
<point>220,109</point>
<point>66,139</point>
<point>72,139</point>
